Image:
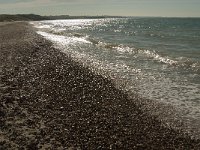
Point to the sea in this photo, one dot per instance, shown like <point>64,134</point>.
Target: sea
<point>155,58</point>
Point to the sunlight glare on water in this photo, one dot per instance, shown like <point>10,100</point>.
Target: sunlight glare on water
<point>158,58</point>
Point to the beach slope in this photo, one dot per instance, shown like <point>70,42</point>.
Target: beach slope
<point>49,101</point>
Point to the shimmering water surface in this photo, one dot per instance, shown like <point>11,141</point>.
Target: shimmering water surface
<point>159,57</point>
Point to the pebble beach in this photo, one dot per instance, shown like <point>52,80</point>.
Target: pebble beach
<point>49,101</point>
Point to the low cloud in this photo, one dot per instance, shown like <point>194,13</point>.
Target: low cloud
<point>33,3</point>
<point>14,1</point>
<point>22,3</point>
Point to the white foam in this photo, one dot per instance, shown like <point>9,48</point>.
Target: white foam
<point>70,24</point>
<point>41,25</point>
<point>156,56</point>
<point>63,40</point>
<point>74,24</point>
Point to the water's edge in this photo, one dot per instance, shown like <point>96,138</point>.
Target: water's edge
<point>170,116</point>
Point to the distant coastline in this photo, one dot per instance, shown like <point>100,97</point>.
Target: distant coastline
<point>34,17</point>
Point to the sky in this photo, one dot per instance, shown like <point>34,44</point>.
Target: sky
<point>164,8</point>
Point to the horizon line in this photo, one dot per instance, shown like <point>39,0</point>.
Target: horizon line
<point>103,15</point>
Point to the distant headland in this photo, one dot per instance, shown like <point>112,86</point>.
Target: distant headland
<point>34,17</point>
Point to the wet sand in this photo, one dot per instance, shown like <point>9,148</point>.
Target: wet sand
<point>48,101</point>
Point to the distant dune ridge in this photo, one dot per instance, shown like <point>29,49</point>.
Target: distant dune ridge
<point>34,17</point>
<point>21,17</point>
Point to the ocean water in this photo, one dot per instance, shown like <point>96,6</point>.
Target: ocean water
<point>158,58</point>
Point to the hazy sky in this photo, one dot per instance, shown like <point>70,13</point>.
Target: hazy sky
<point>182,8</point>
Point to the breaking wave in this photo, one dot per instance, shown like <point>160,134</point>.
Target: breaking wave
<point>156,68</point>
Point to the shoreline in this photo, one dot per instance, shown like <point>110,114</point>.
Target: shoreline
<point>50,101</point>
